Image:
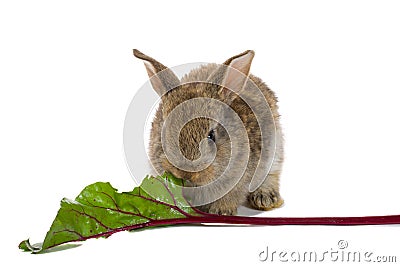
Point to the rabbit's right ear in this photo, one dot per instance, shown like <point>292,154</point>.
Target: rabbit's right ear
<point>162,78</point>
<point>232,75</point>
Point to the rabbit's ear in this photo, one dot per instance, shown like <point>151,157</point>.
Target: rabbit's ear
<point>162,78</point>
<point>233,74</point>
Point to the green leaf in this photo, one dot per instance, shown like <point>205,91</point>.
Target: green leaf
<point>99,211</point>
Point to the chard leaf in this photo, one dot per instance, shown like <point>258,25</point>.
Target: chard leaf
<point>99,211</point>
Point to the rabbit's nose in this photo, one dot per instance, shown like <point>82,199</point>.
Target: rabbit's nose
<point>179,174</point>
<point>184,175</point>
<point>176,173</point>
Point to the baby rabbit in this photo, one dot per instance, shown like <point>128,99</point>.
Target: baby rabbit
<point>205,141</point>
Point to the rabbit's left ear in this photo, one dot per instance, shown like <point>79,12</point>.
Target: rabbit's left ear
<point>233,74</point>
<point>162,78</point>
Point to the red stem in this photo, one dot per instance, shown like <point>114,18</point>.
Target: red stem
<point>243,220</point>
<point>210,218</point>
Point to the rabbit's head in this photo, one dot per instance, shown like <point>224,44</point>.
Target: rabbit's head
<point>196,121</point>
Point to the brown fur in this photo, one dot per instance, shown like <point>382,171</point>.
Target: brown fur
<point>194,85</point>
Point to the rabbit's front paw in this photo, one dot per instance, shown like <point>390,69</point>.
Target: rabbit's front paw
<point>222,209</point>
<point>265,199</point>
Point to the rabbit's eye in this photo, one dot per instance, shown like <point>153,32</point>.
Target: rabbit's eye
<point>211,135</point>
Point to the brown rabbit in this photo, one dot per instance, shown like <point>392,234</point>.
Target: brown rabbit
<point>207,138</point>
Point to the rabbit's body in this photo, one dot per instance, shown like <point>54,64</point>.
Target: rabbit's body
<point>209,81</point>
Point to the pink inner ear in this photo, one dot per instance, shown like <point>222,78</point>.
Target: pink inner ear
<point>149,68</point>
<point>237,72</point>
<point>155,80</point>
<point>243,63</point>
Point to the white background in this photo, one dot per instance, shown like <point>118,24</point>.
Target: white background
<point>67,76</point>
